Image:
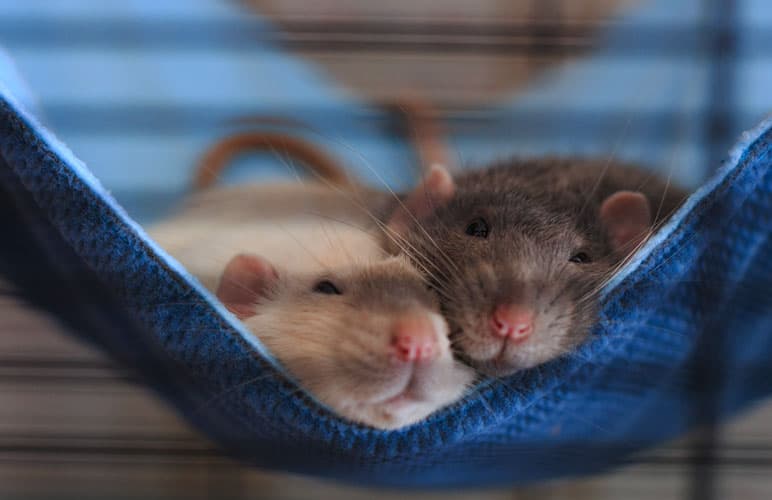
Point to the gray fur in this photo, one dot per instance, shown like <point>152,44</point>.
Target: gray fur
<point>540,212</point>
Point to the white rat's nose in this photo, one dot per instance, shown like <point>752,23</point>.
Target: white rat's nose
<point>414,338</point>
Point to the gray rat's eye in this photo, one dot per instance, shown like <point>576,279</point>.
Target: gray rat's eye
<point>326,287</point>
<point>477,228</point>
<point>580,258</point>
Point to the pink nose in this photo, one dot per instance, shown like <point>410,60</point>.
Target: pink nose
<point>414,339</point>
<point>512,321</point>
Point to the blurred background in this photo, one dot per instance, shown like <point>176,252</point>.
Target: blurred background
<point>138,89</point>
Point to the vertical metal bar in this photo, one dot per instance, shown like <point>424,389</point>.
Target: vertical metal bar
<point>721,44</point>
<point>720,30</point>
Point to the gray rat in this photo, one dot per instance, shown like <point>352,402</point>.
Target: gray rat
<point>518,251</point>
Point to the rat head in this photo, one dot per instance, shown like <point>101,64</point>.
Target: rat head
<point>517,269</point>
<point>366,340</point>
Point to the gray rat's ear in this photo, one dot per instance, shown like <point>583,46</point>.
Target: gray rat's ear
<point>626,216</point>
<point>245,279</point>
<point>436,189</point>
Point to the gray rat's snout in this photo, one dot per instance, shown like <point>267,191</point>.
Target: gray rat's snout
<point>513,312</point>
<point>512,322</point>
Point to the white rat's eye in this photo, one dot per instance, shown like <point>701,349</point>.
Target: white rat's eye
<point>326,287</point>
<point>580,258</point>
<point>478,228</point>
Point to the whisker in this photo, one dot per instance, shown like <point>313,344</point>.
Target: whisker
<point>230,390</point>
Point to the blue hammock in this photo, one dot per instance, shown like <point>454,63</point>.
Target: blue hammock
<point>685,335</point>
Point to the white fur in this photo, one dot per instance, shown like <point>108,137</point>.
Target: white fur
<point>337,352</point>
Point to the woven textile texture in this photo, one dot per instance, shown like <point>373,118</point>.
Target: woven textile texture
<point>698,293</point>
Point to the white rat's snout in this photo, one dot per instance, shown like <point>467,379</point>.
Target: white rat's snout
<point>419,337</point>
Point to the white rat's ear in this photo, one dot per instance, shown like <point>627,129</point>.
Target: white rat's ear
<point>626,216</point>
<point>245,279</point>
<point>437,188</point>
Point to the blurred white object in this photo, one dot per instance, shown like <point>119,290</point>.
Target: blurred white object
<point>448,51</point>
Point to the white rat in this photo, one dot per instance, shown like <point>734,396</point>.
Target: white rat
<point>357,329</point>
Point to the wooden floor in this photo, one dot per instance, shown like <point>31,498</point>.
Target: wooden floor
<point>73,425</point>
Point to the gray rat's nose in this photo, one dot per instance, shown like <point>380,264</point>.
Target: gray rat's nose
<point>512,321</point>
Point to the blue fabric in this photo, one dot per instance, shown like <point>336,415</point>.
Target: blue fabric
<point>700,293</point>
